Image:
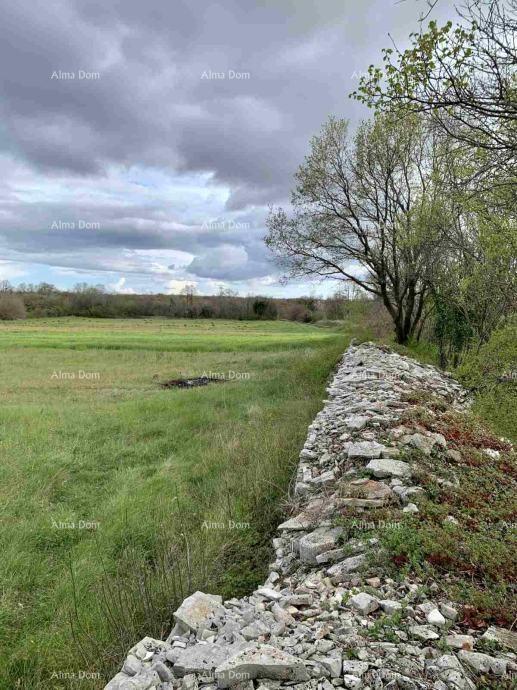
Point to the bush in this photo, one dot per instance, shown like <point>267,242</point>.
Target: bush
<point>492,372</point>
<point>206,312</point>
<point>296,311</point>
<point>265,309</point>
<point>495,362</point>
<point>12,307</point>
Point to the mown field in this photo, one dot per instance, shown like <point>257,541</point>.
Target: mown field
<point>118,498</point>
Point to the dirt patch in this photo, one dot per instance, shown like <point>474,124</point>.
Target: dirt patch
<point>191,383</point>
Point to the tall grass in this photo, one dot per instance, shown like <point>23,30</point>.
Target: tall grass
<point>158,472</point>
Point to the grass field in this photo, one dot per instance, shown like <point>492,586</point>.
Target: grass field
<point>118,498</point>
<point>172,335</point>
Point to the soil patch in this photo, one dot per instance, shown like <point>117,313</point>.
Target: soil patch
<point>191,383</point>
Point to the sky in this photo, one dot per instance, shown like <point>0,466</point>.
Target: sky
<point>142,143</point>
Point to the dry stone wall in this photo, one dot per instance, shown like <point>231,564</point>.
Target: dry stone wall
<point>305,627</point>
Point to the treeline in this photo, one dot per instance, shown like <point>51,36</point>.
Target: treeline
<point>44,300</point>
<point>423,195</point>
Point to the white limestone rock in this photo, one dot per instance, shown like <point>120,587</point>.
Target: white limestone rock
<point>423,632</point>
<point>131,665</point>
<point>332,663</point>
<point>384,467</point>
<point>365,449</point>
<point>262,661</point>
<point>483,663</point>
<point>390,606</point>
<point>319,541</point>
<point>356,422</point>
<point>449,611</point>
<point>355,668</point>
<point>423,443</point>
<point>197,609</point>
<point>364,602</point>
<point>340,571</point>
<point>269,593</point>
<point>434,617</point>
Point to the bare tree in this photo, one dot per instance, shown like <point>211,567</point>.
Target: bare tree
<point>5,286</point>
<point>367,211</point>
<point>189,290</point>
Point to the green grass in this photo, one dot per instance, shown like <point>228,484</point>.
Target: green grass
<point>144,468</point>
<point>498,408</point>
<point>163,335</point>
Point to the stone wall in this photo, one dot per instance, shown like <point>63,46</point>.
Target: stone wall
<point>304,628</point>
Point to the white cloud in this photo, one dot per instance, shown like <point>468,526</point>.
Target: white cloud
<point>10,270</point>
<point>120,287</point>
<point>174,287</point>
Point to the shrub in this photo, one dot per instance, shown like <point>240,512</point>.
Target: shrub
<point>12,307</point>
<point>296,311</point>
<point>264,308</point>
<point>495,362</point>
<point>206,312</point>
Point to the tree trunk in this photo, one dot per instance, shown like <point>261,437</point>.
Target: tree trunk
<point>401,337</point>
<point>401,332</point>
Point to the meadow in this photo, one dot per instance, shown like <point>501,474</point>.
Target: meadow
<point>118,497</point>
<point>162,335</point>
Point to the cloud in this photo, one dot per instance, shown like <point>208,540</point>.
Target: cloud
<point>176,287</point>
<point>120,287</point>
<point>155,158</point>
<point>228,263</point>
<point>9,270</point>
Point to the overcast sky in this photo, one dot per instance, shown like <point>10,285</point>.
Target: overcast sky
<point>155,165</point>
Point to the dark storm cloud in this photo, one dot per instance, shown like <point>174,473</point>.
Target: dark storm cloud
<point>160,95</point>
<point>53,226</point>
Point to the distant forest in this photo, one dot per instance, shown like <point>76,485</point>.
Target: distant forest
<point>45,300</point>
